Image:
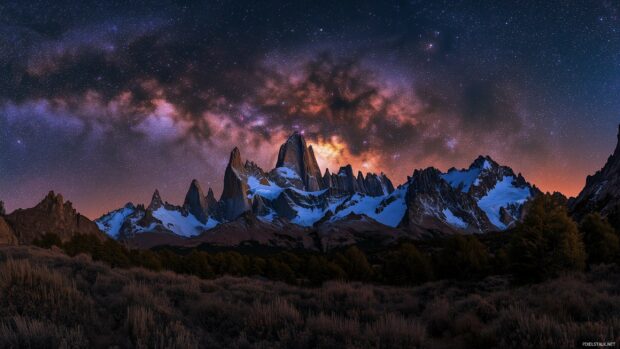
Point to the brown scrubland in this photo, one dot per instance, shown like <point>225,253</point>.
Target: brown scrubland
<point>49,299</point>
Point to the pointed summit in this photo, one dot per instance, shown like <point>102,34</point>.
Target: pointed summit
<point>297,156</point>
<point>196,202</point>
<point>483,162</point>
<point>156,201</point>
<point>234,200</point>
<point>235,159</point>
<point>211,201</point>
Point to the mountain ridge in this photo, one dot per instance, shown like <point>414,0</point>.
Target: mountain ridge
<point>294,196</point>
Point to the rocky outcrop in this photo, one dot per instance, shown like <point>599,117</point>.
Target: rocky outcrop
<point>344,182</point>
<point>434,204</point>
<point>196,202</point>
<point>7,236</point>
<point>234,200</point>
<point>156,201</point>
<point>51,215</point>
<point>602,190</point>
<point>297,156</point>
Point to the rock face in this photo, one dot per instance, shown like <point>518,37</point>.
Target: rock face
<point>498,191</point>
<point>234,200</point>
<point>602,190</point>
<point>297,156</point>
<point>7,236</point>
<point>52,215</point>
<point>432,202</point>
<point>196,202</point>
<point>344,182</point>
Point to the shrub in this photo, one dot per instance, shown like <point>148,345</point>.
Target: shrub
<point>600,239</point>
<point>48,240</point>
<point>319,269</point>
<point>355,264</point>
<point>463,257</point>
<point>546,243</point>
<point>406,266</point>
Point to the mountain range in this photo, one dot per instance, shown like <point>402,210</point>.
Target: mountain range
<point>294,205</point>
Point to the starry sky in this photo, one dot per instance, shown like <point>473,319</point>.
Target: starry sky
<point>104,101</point>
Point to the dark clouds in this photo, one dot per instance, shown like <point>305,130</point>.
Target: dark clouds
<point>107,100</point>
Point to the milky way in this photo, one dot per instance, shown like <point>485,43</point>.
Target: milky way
<point>106,101</point>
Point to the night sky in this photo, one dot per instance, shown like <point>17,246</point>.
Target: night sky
<point>105,101</point>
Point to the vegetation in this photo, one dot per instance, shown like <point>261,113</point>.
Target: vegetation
<point>600,238</point>
<point>460,292</point>
<point>49,300</point>
<point>546,243</point>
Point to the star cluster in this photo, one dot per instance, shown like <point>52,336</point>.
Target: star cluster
<point>106,101</point>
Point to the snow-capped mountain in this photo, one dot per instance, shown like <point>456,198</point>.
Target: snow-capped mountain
<point>483,197</point>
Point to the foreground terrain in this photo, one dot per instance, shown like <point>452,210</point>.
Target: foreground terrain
<point>48,299</point>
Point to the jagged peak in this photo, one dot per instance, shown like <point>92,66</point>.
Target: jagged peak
<point>347,168</point>
<point>156,201</point>
<point>53,197</point>
<point>296,136</point>
<point>194,188</point>
<point>235,159</point>
<point>483,162</point>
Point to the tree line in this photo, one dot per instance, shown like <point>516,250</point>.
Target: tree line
<point>547,243</point>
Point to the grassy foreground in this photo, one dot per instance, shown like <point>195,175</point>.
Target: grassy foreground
<point>48,299</point>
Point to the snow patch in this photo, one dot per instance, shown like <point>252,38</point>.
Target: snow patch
<point>268,191</point>
<point>388,209</point>
<point>112,222</point>
<point>182,225</point>
<point>503,194</point>
<point>466,178</point>
<point>287,173</point>
<point>454,220</point>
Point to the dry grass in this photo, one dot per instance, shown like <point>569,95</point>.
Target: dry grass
<point>50,300</point>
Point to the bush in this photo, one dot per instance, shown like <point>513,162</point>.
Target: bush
<point>406,266</point>
<point>355,264</point>
<point>463,257</point>
<point>319,269</point>
<point>48,240</point>
<point>546,243</point>
<point>600,239</point>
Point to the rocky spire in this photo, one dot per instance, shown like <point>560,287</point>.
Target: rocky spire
<point>297,156</point>
<point>156,201</point>
<point>234,200</point>
<point>386,183</point>
<point>235,160</point>
<point>211,200</point>
<point>361,186</point>
<point>196,202</point>
<point>345,181</point>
